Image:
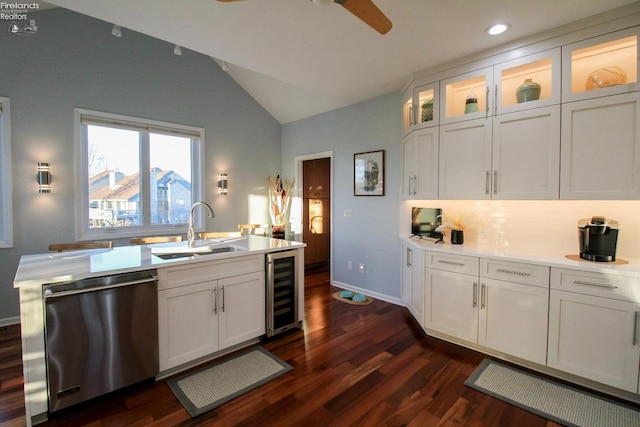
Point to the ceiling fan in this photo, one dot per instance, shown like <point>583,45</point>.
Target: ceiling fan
<point>365,10</point>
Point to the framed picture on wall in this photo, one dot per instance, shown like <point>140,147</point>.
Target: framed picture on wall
<point>368,173</point>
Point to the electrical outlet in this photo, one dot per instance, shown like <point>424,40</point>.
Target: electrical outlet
<point>347,213</point>
<point>361,268</point>
<point>349,265</point>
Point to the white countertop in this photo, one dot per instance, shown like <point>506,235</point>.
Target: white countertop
<point>551,259</point>
<point>56,267</point>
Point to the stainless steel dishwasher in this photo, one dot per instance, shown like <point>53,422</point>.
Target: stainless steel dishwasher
<point>101,334</point>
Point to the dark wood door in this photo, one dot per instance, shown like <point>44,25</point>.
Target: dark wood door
<point>316,197</point>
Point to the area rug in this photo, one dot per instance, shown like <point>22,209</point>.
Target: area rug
<point>368,300</point>
<point>204,390</point>
<point>549,399</point>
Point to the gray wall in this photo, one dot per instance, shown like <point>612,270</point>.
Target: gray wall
<point>74,61</point>
<point>371,235</point>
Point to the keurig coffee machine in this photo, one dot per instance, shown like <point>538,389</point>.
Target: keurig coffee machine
<point>598,238</point>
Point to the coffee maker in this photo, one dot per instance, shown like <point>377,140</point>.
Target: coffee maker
<point>598,238</point>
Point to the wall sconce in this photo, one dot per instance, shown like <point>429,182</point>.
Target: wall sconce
<point>222,184</point>
<point>44,177</point>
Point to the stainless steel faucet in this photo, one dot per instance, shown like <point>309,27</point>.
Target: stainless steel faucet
<point>190,234</point>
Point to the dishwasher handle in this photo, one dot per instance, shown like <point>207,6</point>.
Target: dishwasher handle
<point>50,292</point>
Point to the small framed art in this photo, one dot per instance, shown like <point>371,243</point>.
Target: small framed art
<point>368,173</point>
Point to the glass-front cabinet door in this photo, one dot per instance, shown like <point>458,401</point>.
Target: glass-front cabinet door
<point>407,111</point>
<point>529,82</point>
<point>467,96</point>
<point>426,98</point>
<point>601,66</point>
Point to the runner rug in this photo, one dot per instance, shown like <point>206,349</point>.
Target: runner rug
<point>552,400</point>
<point>204,390</point>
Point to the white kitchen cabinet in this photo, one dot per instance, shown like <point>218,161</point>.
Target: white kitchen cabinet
<point>420,164</point>
<point>420,106</point>
<point>593,327</point>
<point>451,295</point>
<point>465,160</point>
<point>413,281</point>
<point>209,307</point>
<point>616,52</point>
<point>242,308</point>
<point>451,304</point>
<point>514,308</point>
<point>601,148</point>
<point>526,155</point>
<point>499,305</point>
<point>457,91</point>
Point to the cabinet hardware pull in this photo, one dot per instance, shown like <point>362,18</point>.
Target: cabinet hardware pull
<point>214,300</point>
<point>409,261</point>
<point>495,182</point>
<point>222,306</point>
<point>482,296</point>
<point>597,285</point>
<point>412,120</point>
<point>475,294</point>
<point>495,100</point>
<point>517,273</point>
<point>635,328</point>
<point>487,185</point>
<point>451,262</point>
<point>415,185</point>
<point>487,99</point>
<point>410,192</point>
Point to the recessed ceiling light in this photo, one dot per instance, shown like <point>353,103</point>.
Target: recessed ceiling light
<point>497,29</point>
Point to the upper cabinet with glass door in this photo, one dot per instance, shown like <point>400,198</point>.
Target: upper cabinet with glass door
<point>420,107</point>
<point>529,82</point>
<point>601,66</point>
<point>467,96</point>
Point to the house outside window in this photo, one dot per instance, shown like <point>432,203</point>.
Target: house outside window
<point>137,176</point>
<point>6,219</point>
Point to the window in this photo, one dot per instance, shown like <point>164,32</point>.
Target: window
<point>6,223</point>
<point>137,176</point>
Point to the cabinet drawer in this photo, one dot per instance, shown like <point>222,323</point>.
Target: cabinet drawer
<point>454,263</point>
<point>625,288</point>
<point>186,274</point>
<point>528,274</point>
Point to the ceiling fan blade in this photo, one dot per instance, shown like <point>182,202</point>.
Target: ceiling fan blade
<point>369,13</point>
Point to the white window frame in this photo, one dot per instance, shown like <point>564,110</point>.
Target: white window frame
<point>6,210</point>
<point>83,231</point>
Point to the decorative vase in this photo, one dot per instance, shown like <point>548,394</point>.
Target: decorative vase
<point>471,104</point>
<point>605,77</point>
<point>277,231</point>
<point>427,110</point>
<point>528,91</point>
<point>457,237</point>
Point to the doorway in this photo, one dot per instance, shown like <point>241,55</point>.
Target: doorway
<point>316,213</point>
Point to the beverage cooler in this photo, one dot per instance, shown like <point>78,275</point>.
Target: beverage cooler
<point>282,292</point>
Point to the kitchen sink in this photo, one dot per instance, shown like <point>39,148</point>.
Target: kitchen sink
<point>196,252</point>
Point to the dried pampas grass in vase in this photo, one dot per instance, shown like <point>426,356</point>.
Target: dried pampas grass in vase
<point>279,204</point>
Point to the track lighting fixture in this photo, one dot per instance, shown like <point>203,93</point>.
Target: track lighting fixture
<point>116,31</point>
<point>225,66</point>
<point>177,50</point>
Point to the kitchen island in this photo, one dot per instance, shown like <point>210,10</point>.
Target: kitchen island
<point>245,254</point>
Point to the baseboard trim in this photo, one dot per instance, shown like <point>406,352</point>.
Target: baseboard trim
<point>10,321</point>
<point>376,295</point>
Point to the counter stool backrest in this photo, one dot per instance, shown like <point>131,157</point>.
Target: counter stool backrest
<point>155,239</point>
<point>246,229</point>
<point>215,234</point>
<point>79,245</point>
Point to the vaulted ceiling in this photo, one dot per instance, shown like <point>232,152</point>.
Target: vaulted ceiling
<point>298,59</point>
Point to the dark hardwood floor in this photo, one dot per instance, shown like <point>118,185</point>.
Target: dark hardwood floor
<point>353,366</point>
